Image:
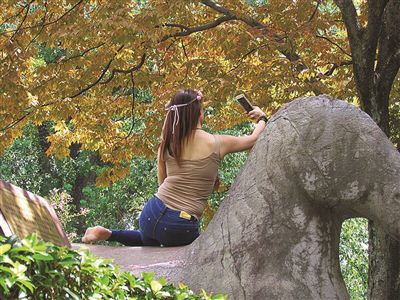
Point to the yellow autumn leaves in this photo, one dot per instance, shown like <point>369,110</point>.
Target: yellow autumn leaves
<point>69,63</point>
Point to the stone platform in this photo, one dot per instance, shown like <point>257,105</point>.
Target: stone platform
<point>139,259</point>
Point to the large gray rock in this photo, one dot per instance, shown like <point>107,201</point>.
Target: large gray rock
<point>276,235</point>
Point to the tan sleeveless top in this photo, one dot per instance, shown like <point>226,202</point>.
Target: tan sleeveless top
<point>188,186</point>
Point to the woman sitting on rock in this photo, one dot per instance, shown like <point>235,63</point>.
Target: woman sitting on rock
<point>188,160</point>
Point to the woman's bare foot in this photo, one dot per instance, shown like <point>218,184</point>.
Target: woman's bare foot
<point>97,233</point>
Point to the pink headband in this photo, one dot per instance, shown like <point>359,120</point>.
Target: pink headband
<point>175,109</point>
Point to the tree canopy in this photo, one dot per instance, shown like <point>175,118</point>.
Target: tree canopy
<point>102,71</point>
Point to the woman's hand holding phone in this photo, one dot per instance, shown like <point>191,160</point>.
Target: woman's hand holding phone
<point>255,113</point>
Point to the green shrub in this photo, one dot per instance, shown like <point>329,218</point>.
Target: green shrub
<point>33,269</point>
<point>62,203</point>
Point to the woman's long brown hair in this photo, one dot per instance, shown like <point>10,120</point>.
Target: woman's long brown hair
<point>173,139</point>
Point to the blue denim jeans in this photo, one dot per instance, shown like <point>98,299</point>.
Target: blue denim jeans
<point>159,226</point>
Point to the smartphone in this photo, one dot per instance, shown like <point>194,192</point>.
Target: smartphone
<point>241,98</point>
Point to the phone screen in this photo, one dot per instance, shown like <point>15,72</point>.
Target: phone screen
<point>244,102</point>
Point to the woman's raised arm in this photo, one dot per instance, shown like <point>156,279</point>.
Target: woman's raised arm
<point>230,143</point>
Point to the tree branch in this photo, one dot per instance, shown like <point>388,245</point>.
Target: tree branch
<point>335,66</point>
<point>389,42</point>
<point>244,56</point>
<point>388,72</point>
<point>375,13</point>
<point>15,15</point>
<point>190,30</point>
<point>97,81</point>
<point>127,71</point>
<point>105,69</point>
<point>132,107</point>
<point>315,10</point>
<point>176,25</point>
<point>350,18</point>
<point>15,122</point>
<point>23,19</point>
<point>184,50</point>
<point>249,21</point>
<point>289,54</point>
<point>332,42</point>
<point>20,119</point>
<point>41,29</point>
<point>63,59</point>
<point>134,68</point>
<point>64,14</point>
<point>46,24</point>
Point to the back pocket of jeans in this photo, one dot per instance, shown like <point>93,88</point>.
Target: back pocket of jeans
<point>177,235</point>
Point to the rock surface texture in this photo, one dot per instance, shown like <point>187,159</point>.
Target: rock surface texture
<point>276,235</point>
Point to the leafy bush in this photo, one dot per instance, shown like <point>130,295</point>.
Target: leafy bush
<point>119,205</point>
<point>62,204</point>
<point>20,164</point>
<point>32,269</point>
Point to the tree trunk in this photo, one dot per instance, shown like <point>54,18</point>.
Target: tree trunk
<point>383,277</point>
<point>83,178</point>
<point>43,133</point>
<point>384,254</point>
<point>375,52</point>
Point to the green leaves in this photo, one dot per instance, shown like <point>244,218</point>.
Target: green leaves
<point>42,256</point>
<point>51,272</point>
<point>156,286</point>
<point>4,248</point>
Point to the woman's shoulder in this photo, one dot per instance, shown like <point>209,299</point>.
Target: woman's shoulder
<point>205,139</point>
<point>200,146</point>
